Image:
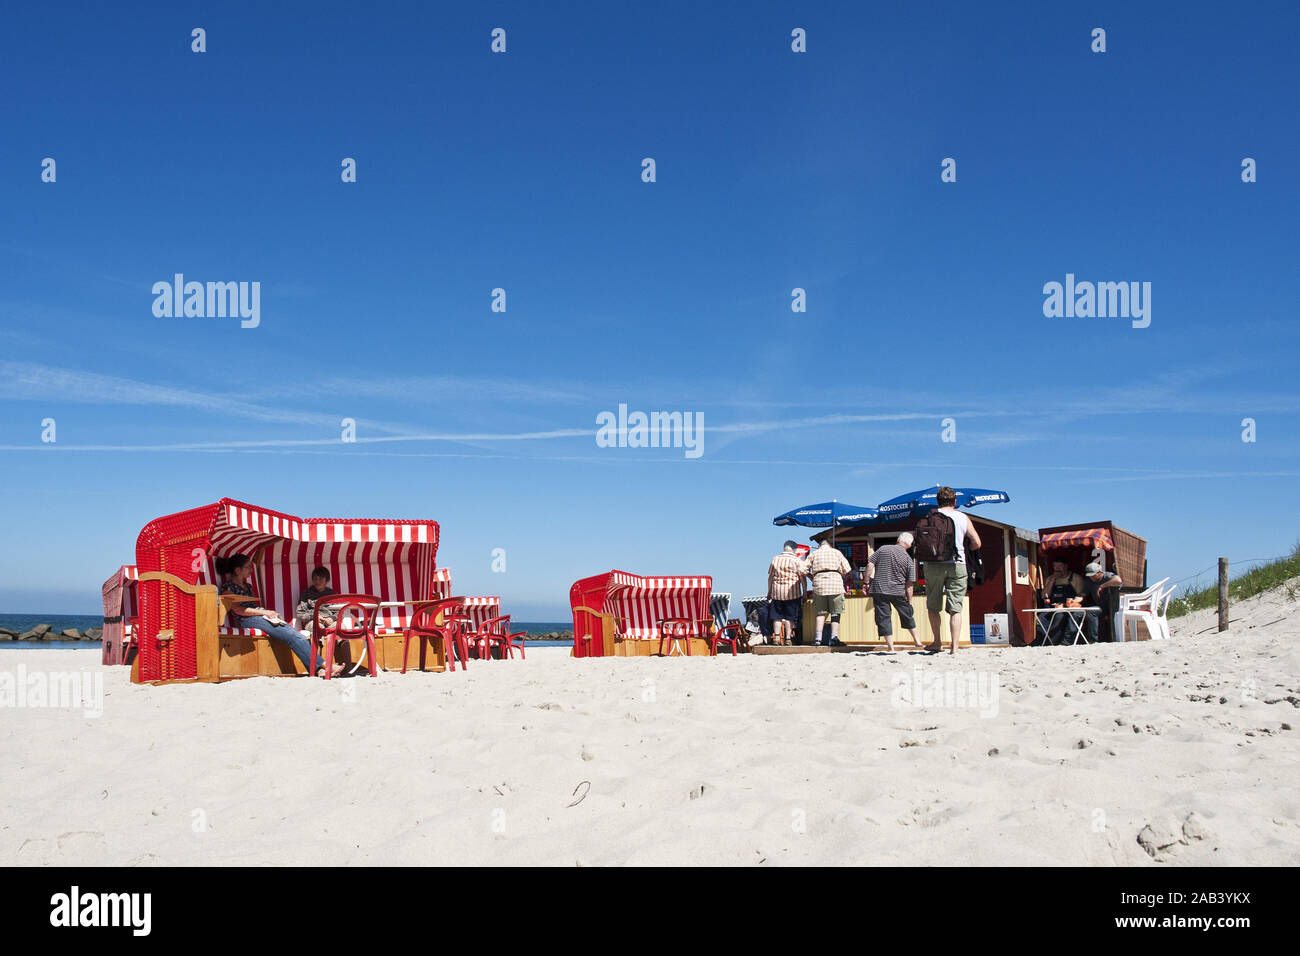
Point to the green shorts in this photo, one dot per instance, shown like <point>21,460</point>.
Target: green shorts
<point>832,604</point>
<point>944,579</point>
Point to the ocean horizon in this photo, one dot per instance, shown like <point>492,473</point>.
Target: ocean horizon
<point>82,622</point>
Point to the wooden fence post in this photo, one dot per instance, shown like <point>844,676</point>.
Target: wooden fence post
<point>1223,594</point>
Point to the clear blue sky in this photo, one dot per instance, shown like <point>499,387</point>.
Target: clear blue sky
<point>522,170</point>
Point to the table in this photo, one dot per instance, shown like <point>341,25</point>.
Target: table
<point>1078,622</point>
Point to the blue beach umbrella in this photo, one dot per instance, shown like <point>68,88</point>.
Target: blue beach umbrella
<point>919,502</point>
<point>828,514</point>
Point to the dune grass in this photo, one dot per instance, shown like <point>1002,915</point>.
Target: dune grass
<point>1257,580</point>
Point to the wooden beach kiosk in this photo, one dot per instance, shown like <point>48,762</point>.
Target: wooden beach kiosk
<point>183,635</point>
<point>619,614</point>
<point>1010,561</point>
<point>121,608</point>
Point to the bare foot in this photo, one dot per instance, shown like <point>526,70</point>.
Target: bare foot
<point>337,669</point>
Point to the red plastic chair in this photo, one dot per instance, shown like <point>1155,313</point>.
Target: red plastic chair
<point>434,621</point>
<point>495,632</point>
<point>354,620</point>
<point>732,633</point>
<point>674,629</point>
<point>509,646</point>
<point>481,635</point>
<point>466,643</point>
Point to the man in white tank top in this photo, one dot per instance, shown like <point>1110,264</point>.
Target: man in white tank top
<point>945,581</point>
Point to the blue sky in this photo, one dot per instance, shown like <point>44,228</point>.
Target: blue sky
<point>522,171</point>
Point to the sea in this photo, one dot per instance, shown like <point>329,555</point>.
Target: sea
<point>82,622</point>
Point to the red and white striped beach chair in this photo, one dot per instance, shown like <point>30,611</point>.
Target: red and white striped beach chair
<point>121,609</point>
<point>394,560</point>
<point>618,613</point>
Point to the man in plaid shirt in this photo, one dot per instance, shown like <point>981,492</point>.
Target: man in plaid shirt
<point>827,567</point>
<point>785,588</point>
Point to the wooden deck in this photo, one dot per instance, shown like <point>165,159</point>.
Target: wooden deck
<point>808,649</point>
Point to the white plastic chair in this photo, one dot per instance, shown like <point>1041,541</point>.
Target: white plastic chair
<point>1147,606</point>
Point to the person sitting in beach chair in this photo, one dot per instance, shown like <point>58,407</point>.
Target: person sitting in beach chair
<point>235,571</point>
<point>304,613</point>
<point>1061,587</point>
<point>1101,589</point>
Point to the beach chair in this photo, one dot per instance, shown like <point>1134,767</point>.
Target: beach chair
<point>723,629</point>
<point>179,635</point>
<point>354,620</point>
<point>1148,608</point>
<point>438,623</point>
<point>623,614</point>
<point>120,616</point>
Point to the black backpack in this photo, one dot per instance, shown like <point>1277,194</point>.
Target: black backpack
<point>935,538</point>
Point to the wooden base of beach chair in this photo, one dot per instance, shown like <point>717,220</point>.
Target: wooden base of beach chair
<point>628,648</point>
<point>225,656</point>
<point>389,648</point>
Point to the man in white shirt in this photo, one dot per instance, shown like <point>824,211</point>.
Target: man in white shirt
<point>945,581</point>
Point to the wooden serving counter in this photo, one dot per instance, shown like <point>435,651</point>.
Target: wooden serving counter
<point>858,622</point>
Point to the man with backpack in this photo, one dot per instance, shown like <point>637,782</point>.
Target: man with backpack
<point>941,538</point>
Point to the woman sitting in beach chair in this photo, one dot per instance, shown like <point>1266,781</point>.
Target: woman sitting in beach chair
<point>235,572</point>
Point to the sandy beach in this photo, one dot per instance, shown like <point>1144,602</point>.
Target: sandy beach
<point>1169,753</point>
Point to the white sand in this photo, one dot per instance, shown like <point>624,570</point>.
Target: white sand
<point>769,760</point>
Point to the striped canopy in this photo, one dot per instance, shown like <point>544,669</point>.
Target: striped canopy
<point>1085,537</point>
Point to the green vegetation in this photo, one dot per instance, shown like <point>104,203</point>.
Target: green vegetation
<point>1257,580</point>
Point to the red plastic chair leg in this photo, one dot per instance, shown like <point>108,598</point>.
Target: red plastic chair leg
<point>371,660</point>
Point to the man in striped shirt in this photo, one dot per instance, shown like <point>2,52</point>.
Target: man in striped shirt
<point>785,588</point>
<point>893,573</point>
<point>827,567</point>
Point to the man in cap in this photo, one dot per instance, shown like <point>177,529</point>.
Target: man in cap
<point>1100,590</point>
